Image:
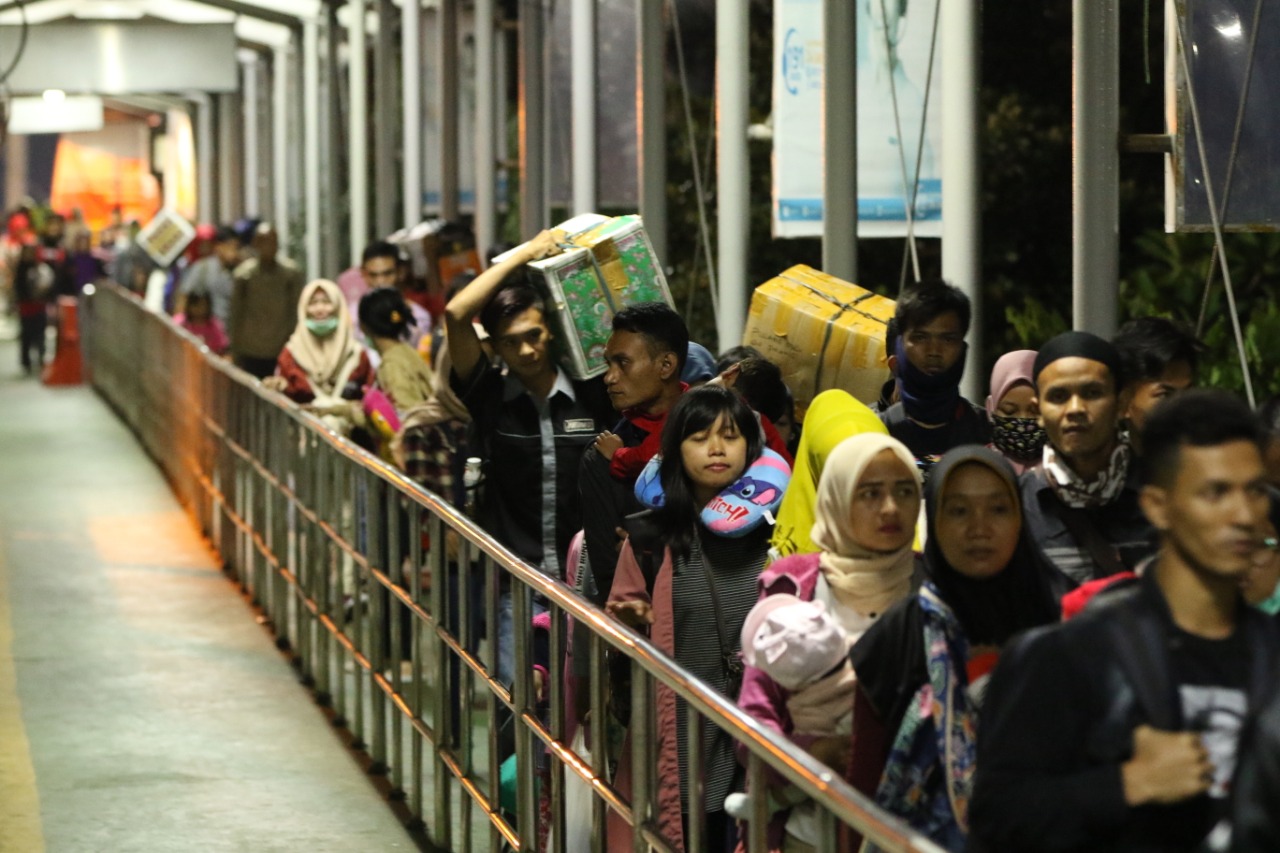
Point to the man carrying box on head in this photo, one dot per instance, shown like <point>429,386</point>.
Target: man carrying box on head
<point>530,421</point>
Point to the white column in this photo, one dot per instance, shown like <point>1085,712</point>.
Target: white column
<point>733,176</point>
<point>651,121</point>
<point>249,100</point>
<point>447,71</point>
<point>358,129</point>
<point>840,139</point>
<point>1095,180</point>
<point>533,119</point>
<point>311,107</point>
<point>961,172</point>
<point>487,100</point>
<point>281,212</point>
<point>384,99</point>
<point>206,192</point>
<point>582,38</point>
<point>411,74</point>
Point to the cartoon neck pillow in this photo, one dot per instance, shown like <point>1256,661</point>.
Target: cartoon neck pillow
<point>740,507</point>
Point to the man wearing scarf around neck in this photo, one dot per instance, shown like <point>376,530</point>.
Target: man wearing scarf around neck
<point>1119,729</point>
<point>931,417</point>
<point>1081,501</point>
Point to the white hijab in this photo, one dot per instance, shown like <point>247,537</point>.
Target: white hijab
<point>868,581</point>
<point>328,361</point>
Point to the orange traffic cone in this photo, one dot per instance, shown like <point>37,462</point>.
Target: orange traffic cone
<point>66,367</point>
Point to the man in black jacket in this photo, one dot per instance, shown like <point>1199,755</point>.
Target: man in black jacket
<point>1118,729</point>
<point>1081,502</point>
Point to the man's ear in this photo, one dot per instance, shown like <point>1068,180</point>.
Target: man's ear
<point>892,361</point>
<point>1154,501</point>
<point>668,366</point>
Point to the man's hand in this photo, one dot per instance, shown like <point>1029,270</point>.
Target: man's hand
<point>835,752</point>
<point>1167,767</point>
<point>636,614</point>
<point>607,444</point>
<point>275,383</point>
<point>546,243</point>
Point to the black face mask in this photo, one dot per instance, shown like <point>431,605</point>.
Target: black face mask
<point>1021,438</point>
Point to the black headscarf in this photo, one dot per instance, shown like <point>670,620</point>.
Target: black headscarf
<point>993,609</point>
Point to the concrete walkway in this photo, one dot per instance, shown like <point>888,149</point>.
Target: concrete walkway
<point>141,706</point>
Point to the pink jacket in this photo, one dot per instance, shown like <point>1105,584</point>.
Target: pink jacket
<point>629,585</point>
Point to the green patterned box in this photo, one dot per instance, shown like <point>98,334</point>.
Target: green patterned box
<point>602,269</point>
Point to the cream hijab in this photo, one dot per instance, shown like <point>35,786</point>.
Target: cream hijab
<point>868,581</point>
<point>331,360</point>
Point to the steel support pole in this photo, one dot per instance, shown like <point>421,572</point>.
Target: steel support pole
<point>411,105</point>
<point>311,142</point>
<point>651,121</point>
<point>733,176</point>
<point>336,243</point>
<point>840,139</point>
<point>1095,180</point>
<point>533,118</point>
<point>230,157</point>
<point>280,208</point>
<point>251,139</point>
<point>358,129</point>
<point>582,38</point>
<point>487,100</point>
<point>447,65</point>
<point>206,191</point>
<point>385,92</point>
<point>961,169</point>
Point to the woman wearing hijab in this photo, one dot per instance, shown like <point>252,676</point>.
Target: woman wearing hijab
<point>921,670</point>
<point>867,505</point>
<point>833,416</point>
<point>694,604</point>
<point>1014,410</point>
<point>322,357</point>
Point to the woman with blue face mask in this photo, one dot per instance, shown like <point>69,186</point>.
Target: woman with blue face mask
<point>322,356</point>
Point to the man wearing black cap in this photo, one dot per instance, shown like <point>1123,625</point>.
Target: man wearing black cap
<point>1081,502</point>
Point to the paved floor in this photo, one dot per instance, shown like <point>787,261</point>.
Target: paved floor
<point>141,707</point>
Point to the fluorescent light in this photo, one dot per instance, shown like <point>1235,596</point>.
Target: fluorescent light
<point>45,115</point>
<point>54,96</point>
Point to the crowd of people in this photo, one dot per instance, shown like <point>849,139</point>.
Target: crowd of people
<point>1041,622</point>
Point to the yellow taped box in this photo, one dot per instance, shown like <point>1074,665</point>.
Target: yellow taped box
<point>822,332</point>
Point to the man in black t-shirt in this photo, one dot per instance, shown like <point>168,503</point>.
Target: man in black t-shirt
<point>1118,730</point>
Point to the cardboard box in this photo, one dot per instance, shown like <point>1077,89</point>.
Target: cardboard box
<point>607,264</point>
<point>822,332</point>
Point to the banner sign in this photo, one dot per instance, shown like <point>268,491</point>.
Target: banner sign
<point>894,43</point>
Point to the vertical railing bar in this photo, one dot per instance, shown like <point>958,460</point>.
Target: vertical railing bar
<point>597,719</point>
<point>758,794</point>
<point>694,776</point>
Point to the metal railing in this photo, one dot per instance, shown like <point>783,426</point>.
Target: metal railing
<point>332,544</point>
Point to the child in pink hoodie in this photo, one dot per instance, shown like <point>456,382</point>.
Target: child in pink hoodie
<point>199,321</point>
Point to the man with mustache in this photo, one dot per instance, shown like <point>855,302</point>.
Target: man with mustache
<point>1081,502</point>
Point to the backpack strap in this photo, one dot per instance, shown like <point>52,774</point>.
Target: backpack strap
<point>1141,648</point>
<point>646,543</point>
<point>1105,556</point>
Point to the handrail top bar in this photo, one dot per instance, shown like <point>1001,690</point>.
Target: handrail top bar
<point>816,779</point>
